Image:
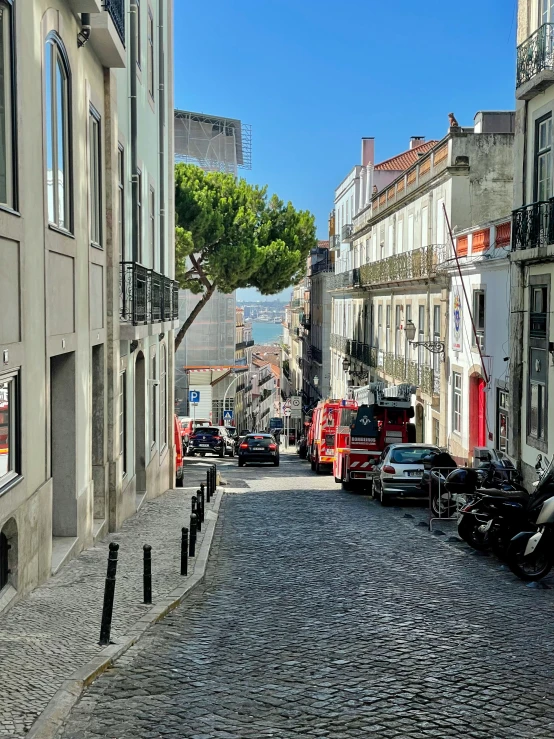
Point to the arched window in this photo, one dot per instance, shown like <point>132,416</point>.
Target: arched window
<point>7,106</point>
<point>163,396</point>
<point>57,86</point>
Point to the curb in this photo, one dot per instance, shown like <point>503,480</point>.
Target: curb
<point>50,721</point>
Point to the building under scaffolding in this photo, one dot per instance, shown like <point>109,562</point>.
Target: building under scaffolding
<point>214,144</point>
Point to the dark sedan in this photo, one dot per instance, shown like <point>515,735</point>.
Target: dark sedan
<point>258,448</point>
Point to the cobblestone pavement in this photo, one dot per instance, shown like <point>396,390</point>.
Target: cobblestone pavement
<point>47,636</point>
<point>325,615</point>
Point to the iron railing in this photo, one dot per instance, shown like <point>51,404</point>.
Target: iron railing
<point>533,225</point>
<point>145,296</point>
<point>322,266</point>
<point>317,355</point>
<point>116,9</point>
<point>264,380</point>
<point>244,344</point>
<point>347,231</point>
<point>423,263</point>
<point>535,54</point>
<point>296,303</point>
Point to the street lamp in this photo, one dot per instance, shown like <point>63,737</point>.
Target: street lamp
<point>316,381</point>
<point>346,364</point>
<point>435,347</point>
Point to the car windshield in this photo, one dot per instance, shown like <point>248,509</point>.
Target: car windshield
<point>208,431</point>
<point>410,455</point>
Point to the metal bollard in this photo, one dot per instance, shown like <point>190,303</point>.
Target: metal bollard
<point>109,592</point>
<point>184,550</point>
<point>147,573</point>
<point>192,538</point>
<point>208,486</point>
<point>214,479</point>
<point>195,508</point>
<point>200,504</point>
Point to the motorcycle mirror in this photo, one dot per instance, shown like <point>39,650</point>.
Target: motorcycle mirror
<point>538,464</point>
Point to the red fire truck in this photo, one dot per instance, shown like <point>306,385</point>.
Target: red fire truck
<point>379,416</point>
<point>321,435</point>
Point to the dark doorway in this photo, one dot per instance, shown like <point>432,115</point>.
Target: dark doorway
<point>98,431</point>
<point>140,425</point>
<point>63,433</point>
<point>3,560</point>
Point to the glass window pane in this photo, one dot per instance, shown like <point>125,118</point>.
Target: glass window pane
<point>6,432</point>
<point>534,410</point>
<point>49,110</point>
<point>5,107</point>
<point>61,126</point>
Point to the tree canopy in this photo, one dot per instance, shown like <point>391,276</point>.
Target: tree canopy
<point>229,235</point>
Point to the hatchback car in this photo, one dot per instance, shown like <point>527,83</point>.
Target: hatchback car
<point>399,471</point>
<point>258,448</point>
<point>210,440</point>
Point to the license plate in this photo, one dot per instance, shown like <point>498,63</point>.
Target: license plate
<point>207,446</point>
<point>413,473</point>
<point>258,449</point>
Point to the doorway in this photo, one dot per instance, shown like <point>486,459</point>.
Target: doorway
<point>63,450</point>
<point>420,426</point>
<point>98,430</point>
<point>140,425</point>
<point>477,413</point>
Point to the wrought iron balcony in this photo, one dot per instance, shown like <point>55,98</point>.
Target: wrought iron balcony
<point>317,355</point>
<point>146,296</point>
<point>296,303</point>
<point>424,263</point>
<point>116,9</point>
<point>265,379</point>
<point>533,225</point>
<point>535,54</point>
<point>421,375</point>
<point>322,266</point>
<point>347,231</point>
<point>334,241</point>
<point>244,344</point>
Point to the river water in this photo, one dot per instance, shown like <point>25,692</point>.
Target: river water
<point>266,333</point>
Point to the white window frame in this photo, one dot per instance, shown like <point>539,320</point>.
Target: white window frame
<point>121,199</point>
<point>123,422</point>
<point>8,122</point>
<point>95,176</point>
<point>163,396</point>
<point>13,435</point>
<point>457,402</point>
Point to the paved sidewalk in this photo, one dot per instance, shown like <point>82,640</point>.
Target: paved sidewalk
<point>55,630</point>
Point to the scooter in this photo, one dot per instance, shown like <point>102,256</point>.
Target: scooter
<point>530,554</point>
<point>492,517</point>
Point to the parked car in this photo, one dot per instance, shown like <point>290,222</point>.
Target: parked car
<point>178,452</point>
<point>302,447</point>
<point>399,471</point>
<point>240,438</point>
<point>258,448</point>
<point>189,425</point>
<point>211,440</point>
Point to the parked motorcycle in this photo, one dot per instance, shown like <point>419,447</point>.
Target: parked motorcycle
<point>531,553</point>
<point>493,516</point>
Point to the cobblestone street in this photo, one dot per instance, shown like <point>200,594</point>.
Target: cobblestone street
<point>325,615</point>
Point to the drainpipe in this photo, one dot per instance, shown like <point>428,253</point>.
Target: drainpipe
<point>161,132</point>
<point>133,51</point>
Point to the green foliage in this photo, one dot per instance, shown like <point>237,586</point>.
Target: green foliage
<point>230,235</point>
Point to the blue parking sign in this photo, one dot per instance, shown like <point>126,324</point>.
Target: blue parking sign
<point>194,396</point>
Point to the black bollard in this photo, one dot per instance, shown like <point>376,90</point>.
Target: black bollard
<point>109,592</point>
<point>214,479</point>
<point>192,538</point>
<point>208,486</point>
<point>196,509</point>
<point>184,550</point>
<point>200,505</point>
<point>147,574</point>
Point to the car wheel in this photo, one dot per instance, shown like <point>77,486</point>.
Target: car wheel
<point>202,454</point>
<point>222,452</point>
<point>276,463</point>
<point>385,499</point>
<point>318,469</point>
<point>179,481</point>
<point>241,462</point>
<point>312,463</point>
<point>231,452</point>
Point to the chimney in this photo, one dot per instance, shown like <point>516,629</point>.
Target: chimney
<point>416,141</point>
<point>368,151</point>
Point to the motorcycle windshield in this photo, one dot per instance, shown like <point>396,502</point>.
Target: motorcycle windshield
<point>547,481</point>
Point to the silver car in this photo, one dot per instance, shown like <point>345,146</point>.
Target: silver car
<point>400,470</point>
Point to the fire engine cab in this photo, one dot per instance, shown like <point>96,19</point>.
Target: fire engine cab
<point>322,433</point>
<point>376,417</point>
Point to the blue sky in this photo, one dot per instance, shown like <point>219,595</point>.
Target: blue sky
<point>312,77</point>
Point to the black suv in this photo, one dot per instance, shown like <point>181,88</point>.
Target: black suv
<point>211,440</point>
<point>258,448</point>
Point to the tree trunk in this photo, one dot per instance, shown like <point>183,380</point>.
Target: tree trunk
<point>194,312</point>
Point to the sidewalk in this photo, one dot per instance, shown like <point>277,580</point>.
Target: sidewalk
<point>54,631</point>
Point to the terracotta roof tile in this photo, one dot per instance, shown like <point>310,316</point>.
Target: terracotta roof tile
<point>407,158</point>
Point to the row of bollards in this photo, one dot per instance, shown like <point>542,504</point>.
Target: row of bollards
<point>188,549</point>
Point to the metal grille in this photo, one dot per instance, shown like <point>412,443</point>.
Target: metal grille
<point>155,297</point>
<point>533,225</point>
<point>116,9</point>
<point>535,54</point>
<point>167,293</point>
<point>420,263</point>
<point>142,293</point>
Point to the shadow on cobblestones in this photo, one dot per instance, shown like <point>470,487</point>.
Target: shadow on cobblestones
<point>324,615</point>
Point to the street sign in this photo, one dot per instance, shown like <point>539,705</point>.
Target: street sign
<point>194,396</point>
<point>228,416</point>
<point>287,412</point>
<point>296,402</point>
<point>275,423</point>
<point>296,412</point>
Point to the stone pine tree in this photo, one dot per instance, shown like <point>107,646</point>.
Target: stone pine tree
<point>229,234</point>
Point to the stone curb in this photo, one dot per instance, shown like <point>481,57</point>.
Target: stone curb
<point>50,721</point>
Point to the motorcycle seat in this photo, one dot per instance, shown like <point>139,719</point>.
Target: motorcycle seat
<point>516,495</point>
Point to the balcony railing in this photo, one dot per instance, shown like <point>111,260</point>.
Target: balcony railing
<point>347,231</point>
<point>535,54</point>
<point>264,380</point>
<point>244,344</point>
<point>423,263</point>
<point>116,9</point>
<point>146,296</point>
<point>323,266</point>
<point>533,225</point>
<point>296,303</point>
<point>317,354</point>
<point>334,241</point>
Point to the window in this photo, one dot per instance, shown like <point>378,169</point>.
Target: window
<point>57,107</point>
<point>407,349</point>
<point>7,106</point>
<point>398,330</point>
<point>436,336</point>
<point>152,234</point>
<point>123,422</point>
<point>139,215</point>
<point>387,335</point>
<point>139,35</point>
<point>150,63</point>
<point>479,317</point>
<point>121,197</point>
<point>400,236</point>
<point>543,158</point>
<point>546,11</point>
<point>9,432</point>
<point>502,420</point>
<point>391,248</point>
<point>537,402</point>
<point>379,325</point>
<point>441,239</point>
<point>163,396</point>
<point>95,175</point>
<point>153,399</point>
<point>421,332</point>
<point>436,432</point>
<point>424,226</point>
<point>456,402</point>
<point>410,232</point>
<point>538,311</point>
